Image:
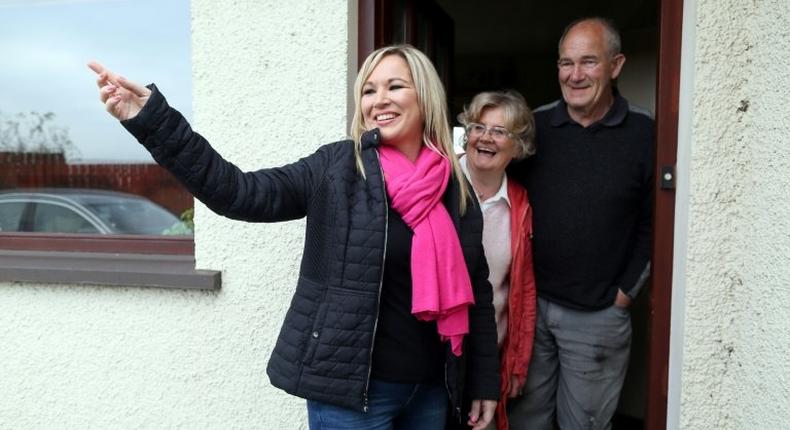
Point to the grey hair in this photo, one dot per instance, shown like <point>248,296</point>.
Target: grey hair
<point>518,117</point>
<point>613,40</point>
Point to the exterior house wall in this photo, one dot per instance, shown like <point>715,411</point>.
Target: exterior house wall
<point>270,85</point>
<point>735,372</point>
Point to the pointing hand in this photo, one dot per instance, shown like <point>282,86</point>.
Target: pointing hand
<point>123,99</point>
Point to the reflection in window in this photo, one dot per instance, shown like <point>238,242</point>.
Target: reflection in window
<point>11,216</point>
<point>130,214</point>
<point>52,218</point>
<point>55,134</point>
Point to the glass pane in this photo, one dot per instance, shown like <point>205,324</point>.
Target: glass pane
<point>53,218</point>
<point>458,140</point>
<point>132,215</point>
<point>10,215</point>
<point>54,132</point>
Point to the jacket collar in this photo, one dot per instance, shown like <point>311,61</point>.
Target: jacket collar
<point>613,118</point>
<point>371,139</point>
<point>502,193</point>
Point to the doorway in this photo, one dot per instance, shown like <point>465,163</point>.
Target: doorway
<point>513,44</point>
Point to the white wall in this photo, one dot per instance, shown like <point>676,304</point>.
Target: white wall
<point>736,372</point>
<point>271,83</point>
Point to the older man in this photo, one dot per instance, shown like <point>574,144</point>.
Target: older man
<point>590,186</point>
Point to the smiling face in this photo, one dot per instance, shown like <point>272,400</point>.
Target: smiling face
<point>389,102</point>
<point>586,71</point>
<point>484,152</point>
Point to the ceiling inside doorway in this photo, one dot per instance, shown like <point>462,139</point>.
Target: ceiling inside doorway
<point>534,27</point>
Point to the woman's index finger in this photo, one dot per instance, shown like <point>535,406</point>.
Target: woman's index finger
<point>96,67</point>
<point>105,75</point>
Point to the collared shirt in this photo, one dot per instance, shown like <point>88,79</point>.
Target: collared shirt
<point>501,194</point>
<point>496,243</point>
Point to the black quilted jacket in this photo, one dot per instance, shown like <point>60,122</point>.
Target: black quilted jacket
<point>323,351</point>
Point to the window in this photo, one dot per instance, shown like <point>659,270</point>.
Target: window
<point>71,178</point>
<point>11,215</point>
<point>53,218</point>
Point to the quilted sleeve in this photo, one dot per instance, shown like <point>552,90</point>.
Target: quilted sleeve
<point>483,372</point>
<point>266,195</point>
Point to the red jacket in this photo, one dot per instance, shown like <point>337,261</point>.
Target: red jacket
<point>522,306</point>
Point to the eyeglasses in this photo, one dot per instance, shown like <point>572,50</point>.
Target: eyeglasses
<point>497,133</point>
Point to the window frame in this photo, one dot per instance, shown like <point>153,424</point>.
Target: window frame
<point>100,259</point>
<point>107,260</point>
<point>50,257</point>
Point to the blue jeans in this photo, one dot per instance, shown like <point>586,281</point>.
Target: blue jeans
<point>391,406</point>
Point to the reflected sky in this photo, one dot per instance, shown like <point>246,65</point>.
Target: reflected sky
<point>45,45</point>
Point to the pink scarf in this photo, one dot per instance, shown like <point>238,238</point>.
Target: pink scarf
<point>441,289</point>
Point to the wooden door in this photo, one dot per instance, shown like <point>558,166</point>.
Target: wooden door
<point>420,23</point>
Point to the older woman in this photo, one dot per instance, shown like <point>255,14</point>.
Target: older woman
<point>500,128</point>
<point>382,317</point>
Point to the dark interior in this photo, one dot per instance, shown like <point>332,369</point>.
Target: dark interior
<point>513,44</point>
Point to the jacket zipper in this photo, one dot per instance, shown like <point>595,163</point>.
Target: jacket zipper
<point>450,394</point>
<point>381,284</point>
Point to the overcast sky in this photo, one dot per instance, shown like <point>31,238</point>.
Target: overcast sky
<point>45,45</point>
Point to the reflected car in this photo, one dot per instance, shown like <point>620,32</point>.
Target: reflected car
<point>84,211</point>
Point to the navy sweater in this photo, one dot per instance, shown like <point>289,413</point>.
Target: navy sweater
<point>591,193</point>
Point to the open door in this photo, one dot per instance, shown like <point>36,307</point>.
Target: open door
<point>420,23</point>
<point>429,25</point>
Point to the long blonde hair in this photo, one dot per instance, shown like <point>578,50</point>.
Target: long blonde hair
<point>433,108</point>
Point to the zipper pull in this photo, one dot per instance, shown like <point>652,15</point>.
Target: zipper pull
<point>365,403</point>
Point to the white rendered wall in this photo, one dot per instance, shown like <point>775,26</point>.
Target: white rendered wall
<point>736,372</point>
<point>271,81</point>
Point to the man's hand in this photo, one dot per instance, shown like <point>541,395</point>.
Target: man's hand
<point>622,300</point>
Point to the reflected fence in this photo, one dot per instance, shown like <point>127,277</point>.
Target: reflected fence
<point>50,170</point>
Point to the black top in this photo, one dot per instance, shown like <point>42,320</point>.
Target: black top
<point>591,194</point>
<point>405,350</point>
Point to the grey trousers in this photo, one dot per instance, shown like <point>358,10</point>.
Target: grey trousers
<point>579,360</point>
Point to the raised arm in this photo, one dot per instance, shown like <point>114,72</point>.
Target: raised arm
<point>266,195</point>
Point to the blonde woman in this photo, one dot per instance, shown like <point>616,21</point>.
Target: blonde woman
<point>392,311</point>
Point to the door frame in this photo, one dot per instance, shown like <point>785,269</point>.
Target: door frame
<point>670,35</point>
<point>372,30</point>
